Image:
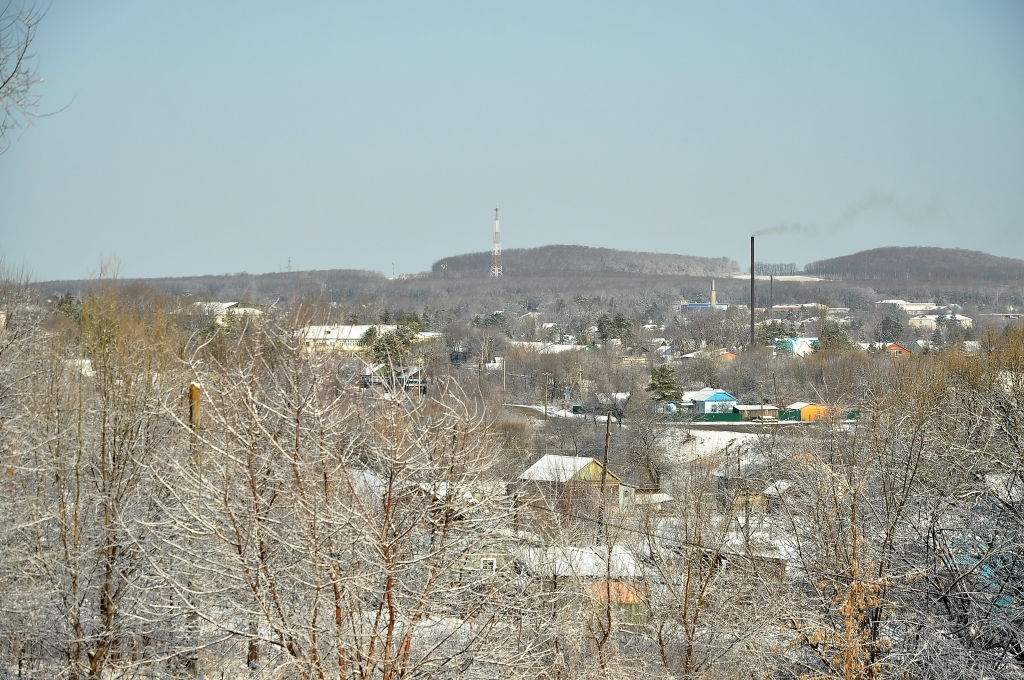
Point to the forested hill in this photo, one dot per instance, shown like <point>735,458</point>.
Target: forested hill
<point>243,286</point>
<point>575,260</point>
<point>919,263</point>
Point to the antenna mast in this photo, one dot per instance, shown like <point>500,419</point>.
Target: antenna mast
<point>496,260</point>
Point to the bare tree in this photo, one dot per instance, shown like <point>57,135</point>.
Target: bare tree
<point>18,76</point>
<point>341,537</point>
<point>84,437</point>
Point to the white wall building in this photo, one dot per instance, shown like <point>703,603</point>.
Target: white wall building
<point>931,321</point>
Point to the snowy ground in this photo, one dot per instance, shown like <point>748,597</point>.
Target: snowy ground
<point>703,442</point>
<point>560,413</point>
<point>782,277</point>
<point>700,444</point>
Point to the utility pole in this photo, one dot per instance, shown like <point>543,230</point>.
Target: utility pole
<point>546,378</point>
<point>751,292</point>
<point>604,476</point>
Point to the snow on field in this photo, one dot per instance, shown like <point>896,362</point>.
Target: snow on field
<point>782,277</point>
<point>703,442</point>
<point>553,412</point>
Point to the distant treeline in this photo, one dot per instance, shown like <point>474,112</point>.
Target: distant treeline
<point>329,283</point>
<point>919,263</point>
<point>366,297</point>
<point>775,269</point>
<point>561,260</point>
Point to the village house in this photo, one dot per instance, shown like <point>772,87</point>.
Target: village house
<point>897,350</point>
<point>720,354</point>
<point>709,400</point>
<point>222,312</point>
<point>799,347</point>
<point>568,483</point>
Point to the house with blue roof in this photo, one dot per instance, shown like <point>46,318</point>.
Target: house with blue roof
<point>709,400</point>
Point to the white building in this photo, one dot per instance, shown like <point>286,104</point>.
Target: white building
<point>931,321</point>
<point>347,338</point>
<point>221,311</point>
<point>911,307</point>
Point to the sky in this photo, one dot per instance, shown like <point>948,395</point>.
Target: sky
<point>192,138</point>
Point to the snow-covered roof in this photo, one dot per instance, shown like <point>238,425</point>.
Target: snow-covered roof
<point>755,407</point>
<point>1007,487</point>
<point>545,347</point>
<point>713,353</point>
<point>366,483</point>
<point>708,394</point>
<point>651,498</point>
<point>935,317</point>
<point>615,397</point>
<point>552,468</point>
<point>797,405</point>
<point>219,308</point>
<point>589,562</point>
<point>778,488</point>
<point>341,332</point>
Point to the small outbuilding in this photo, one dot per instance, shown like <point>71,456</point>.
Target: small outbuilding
<point>758,412</point>
<point>809,412</point>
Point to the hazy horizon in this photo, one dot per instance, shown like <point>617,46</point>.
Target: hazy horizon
<point>191,139</point>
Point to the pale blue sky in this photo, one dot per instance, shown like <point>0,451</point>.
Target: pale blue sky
<point>220,137</point>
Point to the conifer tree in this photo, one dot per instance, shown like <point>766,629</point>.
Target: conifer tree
<point>664,386</point>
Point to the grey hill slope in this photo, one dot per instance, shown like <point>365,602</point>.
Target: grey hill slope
<point>919,263</point>
<point>560,260</point>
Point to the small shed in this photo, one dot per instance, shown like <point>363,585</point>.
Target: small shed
<point>808,411</point>
<point>758,412</point>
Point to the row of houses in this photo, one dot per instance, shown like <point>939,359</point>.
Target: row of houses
<point>711,401</point>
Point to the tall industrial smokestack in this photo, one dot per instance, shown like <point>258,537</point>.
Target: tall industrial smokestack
<point>714,296</point>
<point>751,292</point>
<point>496,259</point>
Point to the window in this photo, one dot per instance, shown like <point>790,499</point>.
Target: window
<point>489,564</point>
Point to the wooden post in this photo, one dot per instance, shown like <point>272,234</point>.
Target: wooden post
<point>194,403</point>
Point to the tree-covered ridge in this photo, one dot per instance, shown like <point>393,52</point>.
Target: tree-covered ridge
<point>265,287</point>
<point>918,263</point>
<point>562,259</point>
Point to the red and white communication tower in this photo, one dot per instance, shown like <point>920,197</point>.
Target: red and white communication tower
<point>496,261</point>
